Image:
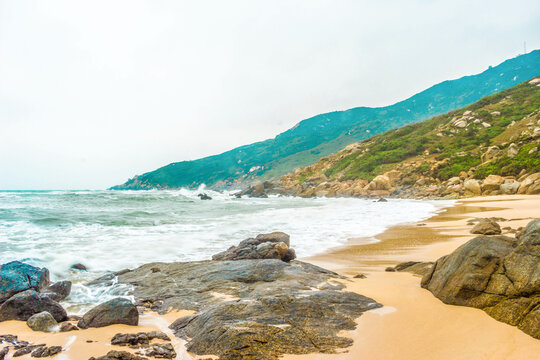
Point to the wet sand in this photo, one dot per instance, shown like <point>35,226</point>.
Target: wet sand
<point>413,324</point>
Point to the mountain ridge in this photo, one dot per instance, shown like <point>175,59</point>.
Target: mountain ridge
<point>327,133</point>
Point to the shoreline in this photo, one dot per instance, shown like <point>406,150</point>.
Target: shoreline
<point>413,324</point>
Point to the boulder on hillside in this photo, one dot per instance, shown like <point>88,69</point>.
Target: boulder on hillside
<point>499,274</point>
<point>486,226</point>
<point>27,303</point>
<point>42,321</point>
<point>380,182</point>
<point>17,276</point>
<point>265,246</point>
<point>472,186</point>
<point>492,183</point>
<point>510,187</point>
<point>491,153</point>
<point>530,185</point>
<point>115,311</point>
<point>512,150</point>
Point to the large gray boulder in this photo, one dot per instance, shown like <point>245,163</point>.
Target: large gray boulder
<point>115,311</point>
<point>265,246</point>
<point>498,274</point>
<point>27,303</point>
<point>59,290</point>
<point>17,276</point>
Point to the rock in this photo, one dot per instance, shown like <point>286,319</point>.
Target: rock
<point>512,150</point>
<point>533,150</point>
<point>78,267</point>
<point>162,351</point>
<point>359,276</point>
<point>59,290</point>
<point>66,326</point>
<point>530,185</point>
<point>491,153</point>
<point>46,351</point>
<point>495,113</point>
<point>492,183</point>
<point>42,321</point>
<point>380,182</point>
<point>382,200</point>
<point>3,352</point>
<point>119,355</point>
<point>414,267</point>
<point>23,351</point>
<point>472,186</point>
<point>251,308</point>
<point>500,275</point>
<point>486,227</point>
<point>257,190</point>
<point>17,276</point>
<point>27,303</point>
<point>264,246</point>
<point>139,338</point>
<point>454,181</point>
<point>510,188</point>
<point>204,197</point>
<point>115,311</point>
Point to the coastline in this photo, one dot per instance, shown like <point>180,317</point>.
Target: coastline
<point>413,324</point>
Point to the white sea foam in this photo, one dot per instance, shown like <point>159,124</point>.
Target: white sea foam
<point>114,230</point>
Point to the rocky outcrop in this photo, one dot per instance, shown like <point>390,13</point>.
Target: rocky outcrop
<point>250,308</point>
<point>530,185</point>
<point>486,227</point>
<point>42,321</point>
<point>498,274</point>
<point>140,338</point>
<point>115,311</point>
<point>44,351</point>
<point>265,246</point>
<point>27,303</point>
<point>119,355</point>
<point>16,277</point>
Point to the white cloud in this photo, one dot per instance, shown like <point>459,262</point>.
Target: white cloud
<point>92,93</point>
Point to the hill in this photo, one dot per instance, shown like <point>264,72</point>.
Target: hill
<point>489,148</point>
<point>325,134</point>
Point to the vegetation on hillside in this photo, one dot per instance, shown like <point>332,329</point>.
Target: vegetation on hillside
<point>507,124</point>
<point>325,134</point>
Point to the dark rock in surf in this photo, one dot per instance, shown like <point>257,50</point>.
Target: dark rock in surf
<point>204,197</point>
<point>79,266</point>
<point>115,311</point>
<point>27,303</point>
<point>17,276</point>
<point>59,290</point>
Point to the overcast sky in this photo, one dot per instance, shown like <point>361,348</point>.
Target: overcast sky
<point>94,92</point>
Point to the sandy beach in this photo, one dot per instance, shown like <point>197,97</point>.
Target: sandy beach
<point>413,324</point>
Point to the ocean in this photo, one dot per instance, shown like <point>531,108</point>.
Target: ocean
<point>114,230</point>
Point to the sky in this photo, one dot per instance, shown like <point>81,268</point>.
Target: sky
<point>94,92</point>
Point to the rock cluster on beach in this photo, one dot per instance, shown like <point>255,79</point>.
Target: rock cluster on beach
<point>265,246</point>
<point>498,274</point>
<point>251,306</point>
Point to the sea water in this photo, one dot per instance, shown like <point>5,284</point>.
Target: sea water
<point>114,230</point>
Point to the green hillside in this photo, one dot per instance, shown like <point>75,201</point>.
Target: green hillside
<point>325,134</point>
<point>498,135</point>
